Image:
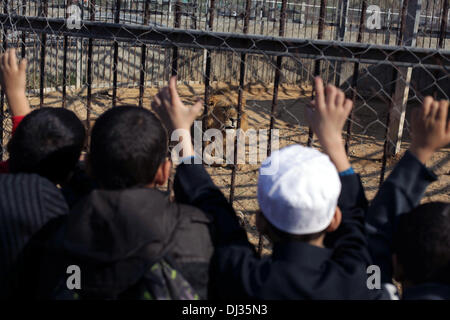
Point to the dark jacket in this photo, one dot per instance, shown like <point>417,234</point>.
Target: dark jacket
<point>28,203</point>
<point>295,270</point>
<point>115,236</point>
<point>399,194</point>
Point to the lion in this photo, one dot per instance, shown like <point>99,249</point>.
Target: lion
<point>222,114</point>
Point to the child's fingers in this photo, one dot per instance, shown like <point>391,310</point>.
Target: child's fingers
<point>434,110</point>
<point>348,105</point>
<point>197,107</point>
<point>23,65</point>
<point>4,61</point>
<point>442,111</point>
<point>173,88</point>
<point>12,60</point>
<point>320,95</point>
<point>426,107</point>
<point>340,98</point>
<point>165,96</point>
<point>156,102</point>
<point>331,95</point>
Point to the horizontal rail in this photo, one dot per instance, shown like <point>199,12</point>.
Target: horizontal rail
<point>241,43</point>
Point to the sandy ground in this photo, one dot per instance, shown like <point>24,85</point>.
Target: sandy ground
<point>365,148</point>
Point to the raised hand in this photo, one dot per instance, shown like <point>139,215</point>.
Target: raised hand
<point>430,128</point>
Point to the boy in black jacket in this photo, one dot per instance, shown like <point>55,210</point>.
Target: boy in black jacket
<point>117,233</point>
<point>300,267</point>
<point>415,237</point>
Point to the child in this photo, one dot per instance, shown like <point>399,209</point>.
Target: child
<point>301,213</point>
<point>119,234</point>
<point>43,150</point>
<point>408,242</point>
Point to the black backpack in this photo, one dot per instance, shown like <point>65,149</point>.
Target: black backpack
<point>162,281</point>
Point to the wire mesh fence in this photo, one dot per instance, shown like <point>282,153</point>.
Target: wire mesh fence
<point>253,62</point>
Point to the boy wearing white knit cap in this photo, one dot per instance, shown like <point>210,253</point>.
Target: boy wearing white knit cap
<point>312,208</point>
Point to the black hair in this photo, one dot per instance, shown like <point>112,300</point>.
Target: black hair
<point>128,144</point>
<point>278,235</point>
<point>422,243</point>
<point>48,141</point>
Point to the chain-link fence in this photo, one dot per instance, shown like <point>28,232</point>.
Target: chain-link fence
<point>252,62</point>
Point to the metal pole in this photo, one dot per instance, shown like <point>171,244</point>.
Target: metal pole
<point>116,56</point>
<point>143,57</point>
<point>240,98</point>
<point>323,6</point>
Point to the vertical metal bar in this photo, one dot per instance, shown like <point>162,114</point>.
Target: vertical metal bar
<point>44,12</point>
<point>444,22</point>
<point>340,35</point>
<point>64,80</point>
<point>276,85</point>
<point>177,22</point>
<point>89,69</point>
<point>143,57</point>
<point>116,56</point>
<point>277,78</point>
<point>240,98</point>
<point>394,76</point>
<point>323,7</point>
<point>212,7</point>
<point>355,76</point>
<point>2,94</point>
<point>24,9</point>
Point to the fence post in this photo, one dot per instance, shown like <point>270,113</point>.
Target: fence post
<point>355,76</point>
<point>399,100</point>
<point>116,54</point>
<point>317,64</point>
<point>340,35</point>
<point>240,100</point>
<point>89,69</point>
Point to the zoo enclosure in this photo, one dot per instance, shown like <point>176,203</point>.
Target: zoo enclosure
<point>138,44</point>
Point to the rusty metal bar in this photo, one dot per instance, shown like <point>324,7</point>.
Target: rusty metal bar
<point>211,10</point>
<point>177,22</point>
<point>323,8</point>
<point>355,77</point>
<point>400,36</point>
<point>44,12</point>
<point>240,98</point>
<point>116,55</point>
<point>340,35</point>
<point>276,83</point>
<point>143,57</point>
<point>89,70</point>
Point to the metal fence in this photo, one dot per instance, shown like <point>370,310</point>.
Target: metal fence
<point>262,53</point>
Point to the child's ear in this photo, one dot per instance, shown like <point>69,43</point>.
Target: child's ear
<point>336,221</point>
<point>163,173</point>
